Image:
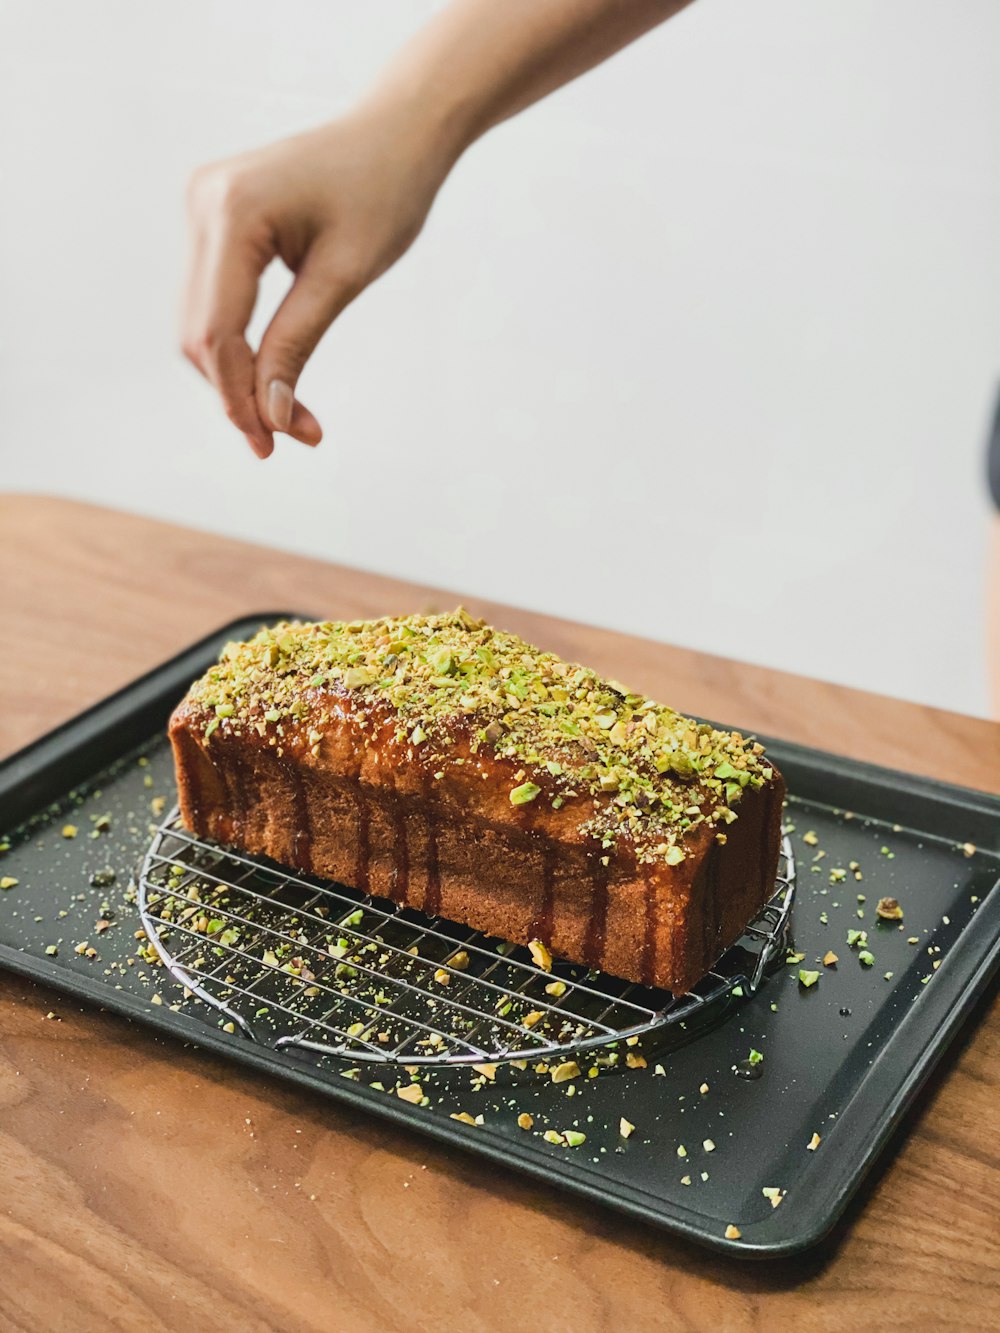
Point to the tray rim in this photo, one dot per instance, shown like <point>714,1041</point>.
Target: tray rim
<point>971,962</point>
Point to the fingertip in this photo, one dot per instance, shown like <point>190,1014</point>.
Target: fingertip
<point>308,436</point>
<point>262,448</point>
<point>304,427</point>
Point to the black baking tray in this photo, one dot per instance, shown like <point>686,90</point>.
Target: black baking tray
<point>842,1059</point>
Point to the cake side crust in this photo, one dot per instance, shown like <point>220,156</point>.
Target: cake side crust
<point>362,811</point>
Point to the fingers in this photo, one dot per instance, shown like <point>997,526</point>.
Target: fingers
<point>224,269</point>
<point>315,299</point>
<point>232,372</point>
<point>230,248</point>
<point>228,290</point>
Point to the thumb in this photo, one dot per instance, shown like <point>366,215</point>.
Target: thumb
<point>313,302</point>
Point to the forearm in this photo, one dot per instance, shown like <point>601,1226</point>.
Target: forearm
<point>481,61</point>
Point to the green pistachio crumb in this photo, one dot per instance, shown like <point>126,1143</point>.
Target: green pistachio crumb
<point>525,793</point>
<point>356,677</point>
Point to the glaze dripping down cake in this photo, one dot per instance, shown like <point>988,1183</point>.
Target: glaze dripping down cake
<point>450,766</point>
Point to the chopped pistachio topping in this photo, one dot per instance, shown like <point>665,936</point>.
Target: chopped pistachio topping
<point>540,955</point>
<point>564,1072</point>
<point>888,909</point>
<point>525,793</point>
<point>447,685</point>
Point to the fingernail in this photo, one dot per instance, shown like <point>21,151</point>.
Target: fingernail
<point>280,401</point>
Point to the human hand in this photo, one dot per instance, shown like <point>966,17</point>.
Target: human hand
<point>338,205</point>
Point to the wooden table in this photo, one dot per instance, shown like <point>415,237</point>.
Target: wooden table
<point>146,1187</point>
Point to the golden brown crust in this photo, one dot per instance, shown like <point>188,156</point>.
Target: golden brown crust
<point>345,794</point>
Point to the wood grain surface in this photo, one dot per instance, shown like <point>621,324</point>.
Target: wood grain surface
<point>146,1187</point>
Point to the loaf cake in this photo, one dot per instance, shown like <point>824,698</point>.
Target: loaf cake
<point>452,767</point>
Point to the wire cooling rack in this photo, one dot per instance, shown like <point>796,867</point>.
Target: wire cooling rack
<point>297,962</point>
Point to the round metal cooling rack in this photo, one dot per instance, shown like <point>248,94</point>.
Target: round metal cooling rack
<point>296,962</point>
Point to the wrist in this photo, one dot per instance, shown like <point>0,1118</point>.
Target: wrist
<point>438,122</point>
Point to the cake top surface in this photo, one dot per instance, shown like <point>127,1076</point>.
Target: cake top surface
<point>651,774</point>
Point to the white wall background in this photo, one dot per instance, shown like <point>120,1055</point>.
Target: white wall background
<point>703,348</point>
